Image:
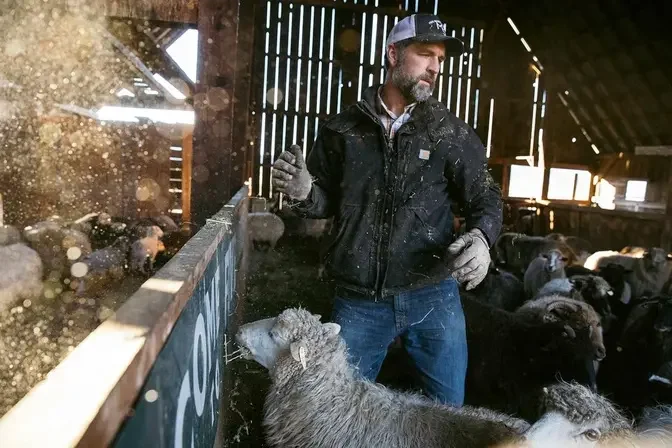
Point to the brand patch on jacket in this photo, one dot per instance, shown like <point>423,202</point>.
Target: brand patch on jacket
<point>424,154</point>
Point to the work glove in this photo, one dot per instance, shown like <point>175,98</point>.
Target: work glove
<point>469,258</point>
<point>290,174</point>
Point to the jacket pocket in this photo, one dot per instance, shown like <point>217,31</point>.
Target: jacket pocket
<point>337,235</point>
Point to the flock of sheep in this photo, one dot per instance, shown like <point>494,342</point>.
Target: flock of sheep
<point>84,256</point>
<point>567,347</point>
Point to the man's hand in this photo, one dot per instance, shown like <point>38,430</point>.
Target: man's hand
<point>290,175</point>
<point>469,258</point>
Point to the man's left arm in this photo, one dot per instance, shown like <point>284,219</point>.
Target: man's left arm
<point>480,198</point>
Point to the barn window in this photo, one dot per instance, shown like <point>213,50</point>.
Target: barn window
<point>526,181</point>
<point>605,193</point>
<point>567,184</point>
<point>635,190</point>
<point>184,52</point>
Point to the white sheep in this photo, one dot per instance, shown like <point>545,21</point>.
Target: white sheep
<point>265,229</point>
<point>548,266</point>
<point>317,400</point>
<point>21,274</point>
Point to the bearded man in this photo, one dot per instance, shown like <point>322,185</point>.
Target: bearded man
<point>389,170</point>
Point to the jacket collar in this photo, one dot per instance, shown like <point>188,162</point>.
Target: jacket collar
<point>426,114</point>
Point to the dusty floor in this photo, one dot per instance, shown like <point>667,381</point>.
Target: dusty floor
<point>285,277</point>
<point>35,337</point>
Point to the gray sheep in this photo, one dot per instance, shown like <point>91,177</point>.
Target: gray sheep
<point>9,235</point>
<point>265,229</point>
<point>20,276</point>
<point>547,266</point>
<point>143,253</point>
<point>104,266</point>
<point>52,242</point>
<point>516,251</point>
<point>575,416</point>
<point>317,400</point>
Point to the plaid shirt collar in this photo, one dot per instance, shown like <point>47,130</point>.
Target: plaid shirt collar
<point>392,122</point>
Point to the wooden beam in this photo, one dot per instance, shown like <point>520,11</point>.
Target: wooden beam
<point>214,105</point>
<point>665,151</point>
<point>180,11</point>
<point>135,62</point>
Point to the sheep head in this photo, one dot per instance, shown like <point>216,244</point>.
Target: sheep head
<point>575,416</point>
<point>555,260</point>
<point>596,291</point>
<point>295,332</point>
<point>655,259</point>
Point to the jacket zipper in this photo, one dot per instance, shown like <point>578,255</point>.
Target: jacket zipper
<point>381,217</point>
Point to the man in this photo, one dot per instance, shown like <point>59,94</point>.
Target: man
<point>388,169</point>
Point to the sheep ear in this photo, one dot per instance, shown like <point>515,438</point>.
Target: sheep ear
<point>298,350</point>
<point>318,316</point>
<point>332,329</point>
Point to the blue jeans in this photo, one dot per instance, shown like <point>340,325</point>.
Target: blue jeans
<point>431,324</point>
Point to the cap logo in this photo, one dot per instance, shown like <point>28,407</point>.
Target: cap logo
<point>440,26</point>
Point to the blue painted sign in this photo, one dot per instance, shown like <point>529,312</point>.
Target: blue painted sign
<point>179,403</point>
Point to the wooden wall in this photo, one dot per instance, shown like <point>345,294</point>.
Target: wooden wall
<point>605,229</point>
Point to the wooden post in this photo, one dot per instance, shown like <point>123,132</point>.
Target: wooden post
<point>213,104</point>
<point>187,156</point>
<point>666,240</point>
<point>243,96</point>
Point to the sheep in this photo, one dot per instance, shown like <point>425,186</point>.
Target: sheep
<point>575,416</point>
<point>513,355</point>
<point>21,274</point>
<point>102,267</point>
<point>143,254</point>
<point>53,243</point>
<point>265,229</point>
<point>9,235</point>
<point>649,273</point>
<point>499,288</point>
<point>615,275</point>
<point>516,251</point>
<point>548,307</point>
<point>592,289</point>
<point>644,344</point>
<point>316,398</point>
<point>546,267</point>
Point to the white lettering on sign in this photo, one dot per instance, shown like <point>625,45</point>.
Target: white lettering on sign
<point>204,349</point>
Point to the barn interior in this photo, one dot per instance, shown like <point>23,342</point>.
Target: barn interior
<point>125,115</point>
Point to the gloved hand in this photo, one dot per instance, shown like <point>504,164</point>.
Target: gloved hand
<point>290,175</point>
<point>469,258</point>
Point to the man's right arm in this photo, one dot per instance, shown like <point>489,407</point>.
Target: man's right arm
<point>324,166</point>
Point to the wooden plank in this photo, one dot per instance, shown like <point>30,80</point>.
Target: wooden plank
<point>653,151</point>
<point>213,104</point>
<point>179,11</point>
<point>187,160</point>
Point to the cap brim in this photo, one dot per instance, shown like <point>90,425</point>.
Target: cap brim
<point>453,45</point>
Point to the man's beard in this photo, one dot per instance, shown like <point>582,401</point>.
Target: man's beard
<point>411,87</point>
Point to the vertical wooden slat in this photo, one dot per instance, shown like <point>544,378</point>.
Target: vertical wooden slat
<point>187,160</point>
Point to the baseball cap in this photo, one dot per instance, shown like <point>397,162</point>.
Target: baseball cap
<point>425,28</point>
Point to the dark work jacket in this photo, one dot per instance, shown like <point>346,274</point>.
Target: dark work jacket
<point>391,207</point>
